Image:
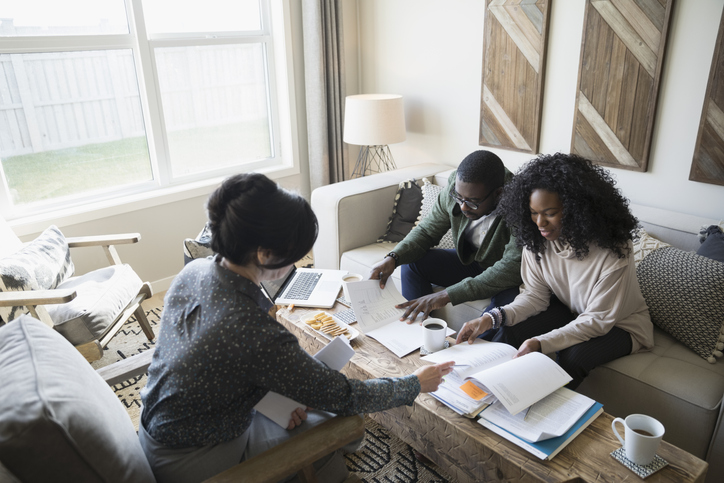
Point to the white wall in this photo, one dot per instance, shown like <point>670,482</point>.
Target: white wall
<point>431,52</point>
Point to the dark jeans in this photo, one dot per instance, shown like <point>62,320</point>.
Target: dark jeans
<point>577,360</point>
<point>443,268</point>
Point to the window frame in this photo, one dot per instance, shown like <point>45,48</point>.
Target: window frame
<point>275,38</point>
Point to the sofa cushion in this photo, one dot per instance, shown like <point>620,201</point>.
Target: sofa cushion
<point>713,244</point>
<point>42,264</point>
<point>685,296</point>
<point>405,211</point>
<point>101,297</point>
<point>63,423</point>
<point>430,192</point>
<point>670,383</point>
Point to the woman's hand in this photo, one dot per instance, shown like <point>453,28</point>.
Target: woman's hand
<point>431,376</point>
<point>530,345</point>
<point>472,329</point>
<point>298,415</point>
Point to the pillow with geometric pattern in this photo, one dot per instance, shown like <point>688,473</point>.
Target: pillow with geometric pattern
<point>644,244</point>
<point>41,264</point>
<point>430,192</point>
<point>685,295</point>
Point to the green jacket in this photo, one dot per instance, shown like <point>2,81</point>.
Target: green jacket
<point>498,255</point>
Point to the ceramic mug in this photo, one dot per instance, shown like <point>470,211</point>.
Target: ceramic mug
<point>433,334</point>
<point>350,277</point>
<point>643,437</point>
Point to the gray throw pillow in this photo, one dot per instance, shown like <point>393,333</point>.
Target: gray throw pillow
<point>685,295</point>
<point>713,244</point>
<point>63,423</point>
<point>405,212</point>
<point>101,297</point>
<point>42,264</point>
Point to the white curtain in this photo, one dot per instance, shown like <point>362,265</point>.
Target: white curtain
<point>325,91</point>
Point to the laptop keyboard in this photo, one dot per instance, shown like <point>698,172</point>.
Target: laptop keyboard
<point>303,286</point>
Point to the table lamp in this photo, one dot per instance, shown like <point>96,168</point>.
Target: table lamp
<point>373,121</point>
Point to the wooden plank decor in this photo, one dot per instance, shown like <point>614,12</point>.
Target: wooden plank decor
<point>708,163</point>
<point>622,54</point>
<point>513,64</point>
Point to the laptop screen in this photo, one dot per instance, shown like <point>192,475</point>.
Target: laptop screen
<point>274,288</point>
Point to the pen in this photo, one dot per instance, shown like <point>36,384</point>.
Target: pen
<point>525,418</point>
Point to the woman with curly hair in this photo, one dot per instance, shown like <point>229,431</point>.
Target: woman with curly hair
<point>581,298</point>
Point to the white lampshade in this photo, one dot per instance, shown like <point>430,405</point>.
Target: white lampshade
<point>374,119</point>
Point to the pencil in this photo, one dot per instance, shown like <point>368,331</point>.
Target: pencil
<point>525,418</point>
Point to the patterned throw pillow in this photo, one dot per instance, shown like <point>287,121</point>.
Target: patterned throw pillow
<point>405,212</point>
<point>644,244</point>
<point>685,295</point>
<point>430,193</point>
<point>42,264</point>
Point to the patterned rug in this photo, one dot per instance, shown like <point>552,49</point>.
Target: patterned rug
<point>382,457</point>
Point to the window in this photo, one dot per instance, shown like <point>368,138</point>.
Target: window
<point>102,99</point>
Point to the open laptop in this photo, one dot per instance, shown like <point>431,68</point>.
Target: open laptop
<point>305,287</point>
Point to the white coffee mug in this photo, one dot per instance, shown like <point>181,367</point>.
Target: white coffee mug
<point>350,277</point>
<point>433,334</point>
<point>643,437</point>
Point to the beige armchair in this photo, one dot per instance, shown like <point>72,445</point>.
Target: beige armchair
<point>88,310</point>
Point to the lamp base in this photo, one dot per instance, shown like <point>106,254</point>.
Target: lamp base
<point>373,159</point>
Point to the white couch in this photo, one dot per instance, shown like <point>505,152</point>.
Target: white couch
<point>670,383</point>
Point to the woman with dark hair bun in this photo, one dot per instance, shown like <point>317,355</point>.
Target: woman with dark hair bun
<point>219,352</point>
<point>581,298</point>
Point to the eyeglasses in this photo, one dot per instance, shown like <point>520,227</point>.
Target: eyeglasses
<point>473,206</point>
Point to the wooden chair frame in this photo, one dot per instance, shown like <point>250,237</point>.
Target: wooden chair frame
<point>293,456</point>
<point>34,300</point>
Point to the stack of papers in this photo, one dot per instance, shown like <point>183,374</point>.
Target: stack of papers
<point>486,372</point>
<point>548,426</point>
<point>378,318</point>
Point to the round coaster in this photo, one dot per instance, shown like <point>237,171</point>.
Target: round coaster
<point>426,352</point>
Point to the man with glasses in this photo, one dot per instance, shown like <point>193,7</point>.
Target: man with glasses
<point>486,260</point>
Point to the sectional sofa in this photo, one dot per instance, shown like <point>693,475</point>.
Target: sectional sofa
<point>671,383</point>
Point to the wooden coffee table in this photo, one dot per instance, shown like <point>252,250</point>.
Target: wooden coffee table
<point>469,452</point>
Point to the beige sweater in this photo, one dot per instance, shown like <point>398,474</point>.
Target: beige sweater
<point>601,288</point>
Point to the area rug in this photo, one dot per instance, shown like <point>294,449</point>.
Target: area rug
<point>381,458</point>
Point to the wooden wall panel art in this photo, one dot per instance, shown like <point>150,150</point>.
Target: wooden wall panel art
<point>708,163</point>
<point>513,64</point>
<point>618,80</point>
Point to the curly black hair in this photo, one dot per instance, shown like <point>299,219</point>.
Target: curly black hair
<point>594,210</point>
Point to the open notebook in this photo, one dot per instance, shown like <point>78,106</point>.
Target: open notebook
<point>305,287</point>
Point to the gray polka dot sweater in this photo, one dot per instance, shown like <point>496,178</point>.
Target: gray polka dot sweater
<point>219,352</point>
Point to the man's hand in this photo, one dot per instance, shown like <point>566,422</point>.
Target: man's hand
<point>383,270</point>
<point>530,345</point>
<point>423,305</point>
<point>472,329</point>
<point>298,415</point>
<point>431,376</point>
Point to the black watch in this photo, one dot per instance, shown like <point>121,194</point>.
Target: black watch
<point>394,256</point>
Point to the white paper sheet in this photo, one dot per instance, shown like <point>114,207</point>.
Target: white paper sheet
<point>279,408</point>
<point>373,306</point>
<point>378,318</point>
<point>475,357</point>
<point>550,417</point>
